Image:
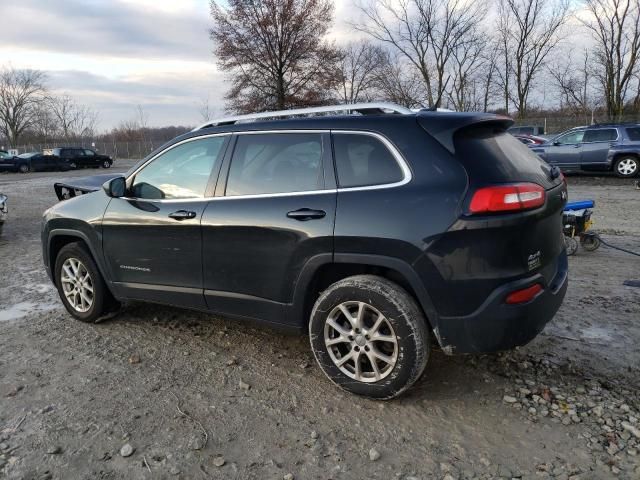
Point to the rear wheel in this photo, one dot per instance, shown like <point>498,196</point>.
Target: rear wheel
<point>590,242</point>
<point>626,167</point>
<point>369,336</point>
<point>571,244</point>
<point>80,285</point>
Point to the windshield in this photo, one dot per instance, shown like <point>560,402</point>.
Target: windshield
<point>28,155</point>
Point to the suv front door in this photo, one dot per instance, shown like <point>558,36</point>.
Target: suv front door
<point>273,213</point>
<point>566,150</point>
<point>596,144</point>
<point>151,237</point>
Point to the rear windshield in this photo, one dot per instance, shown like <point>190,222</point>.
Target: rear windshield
<point>634,133</point>
<point>494,156</point>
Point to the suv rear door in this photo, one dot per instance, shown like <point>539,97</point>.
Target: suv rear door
<point>273,213</point>
<point>595,145</point>
<point>151,237</point>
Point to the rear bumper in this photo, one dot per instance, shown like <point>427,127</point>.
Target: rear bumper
<point>496,326</point>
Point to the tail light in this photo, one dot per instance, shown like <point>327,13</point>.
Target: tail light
<point>507,198</point>
<point>525,295</point>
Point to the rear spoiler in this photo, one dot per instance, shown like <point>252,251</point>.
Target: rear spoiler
<point>79,186</point>
<point>443,125</point>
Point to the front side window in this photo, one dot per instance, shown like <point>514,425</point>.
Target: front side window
<point>181,172</point>
<point>572,138</point>
<point>600,135</point>
<point>276,163</point>
<point>363,160</point>
<point>89,153</point>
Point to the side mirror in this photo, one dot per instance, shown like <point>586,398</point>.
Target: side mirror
<point>116,187</point>
<point>555,144</point>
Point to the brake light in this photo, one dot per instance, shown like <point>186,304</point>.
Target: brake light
<point>507,198</point>
<point>525,295</point>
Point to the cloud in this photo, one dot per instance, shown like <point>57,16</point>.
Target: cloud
<point>107,28</point>
<point>170,98</point>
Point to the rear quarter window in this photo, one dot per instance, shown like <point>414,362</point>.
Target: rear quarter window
<point>634,134</point>
<point>363,160</point>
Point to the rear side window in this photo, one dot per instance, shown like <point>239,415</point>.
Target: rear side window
<point>276,163</point>
<point>363,160</point>
<point>601,135</point>
<point>634,134</point>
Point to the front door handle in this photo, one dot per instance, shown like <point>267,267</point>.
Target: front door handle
<point>305,214</point>
<point>182,215</point>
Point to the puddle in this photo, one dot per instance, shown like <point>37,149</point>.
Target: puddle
<point>596,333</point>
<point>22,309</point>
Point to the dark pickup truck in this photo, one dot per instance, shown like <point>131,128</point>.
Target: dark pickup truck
<point>83,157</point>
<point>611,147</point>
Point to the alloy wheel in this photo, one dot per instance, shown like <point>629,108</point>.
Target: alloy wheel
<point>627,167</point>
<point>77,284</point>
<point>361,341</point>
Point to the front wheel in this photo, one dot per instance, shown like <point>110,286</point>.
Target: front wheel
<point>626,167</point>
<point>80,285</point>
<point>369,336</point>
<point>106,164</point>
<point>24,168</point>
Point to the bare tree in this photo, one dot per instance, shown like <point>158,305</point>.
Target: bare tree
<point>397,83</point>
<point>425,32</point>
<point>21,93</point>
<point>530,30</point>
<point>466,92</point>
<point>275,52</point>
<point>615,26</point>
<point>73,119</point>
<point>575,85</point>
<point>357,69</point>
<point>205,110</point>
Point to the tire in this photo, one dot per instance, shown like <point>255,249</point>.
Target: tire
<point>106,164</point>
<point>405,348</point>
<point>102,302</point>
<point>626,167</point>
<point>24,168</point>
<point>73,166</point>
<point>571,244</point>
<point>590,242</point>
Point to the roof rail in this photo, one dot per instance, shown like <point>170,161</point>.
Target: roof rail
<point>362,108</point>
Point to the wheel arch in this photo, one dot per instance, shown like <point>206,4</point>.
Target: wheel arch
<point>323,270</point>
<point>59,238</point>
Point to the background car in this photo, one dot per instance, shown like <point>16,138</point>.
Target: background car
<point>526,130</point>
<point>531,139</point>
<point>83,157</point>
<point>36,161</point>
<point>605,147</point>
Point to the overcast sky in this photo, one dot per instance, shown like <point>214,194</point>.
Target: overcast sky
<point>116,54</point>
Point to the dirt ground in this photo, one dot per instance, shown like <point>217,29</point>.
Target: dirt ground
<point>195,396</point>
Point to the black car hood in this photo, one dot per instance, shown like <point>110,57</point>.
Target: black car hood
<point>79,186</point>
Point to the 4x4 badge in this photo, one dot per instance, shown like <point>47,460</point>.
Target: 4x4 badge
<point>535,260</point>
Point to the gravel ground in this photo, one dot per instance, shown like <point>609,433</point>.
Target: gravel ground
<point>164,393</point>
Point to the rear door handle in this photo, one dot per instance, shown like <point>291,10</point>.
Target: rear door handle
<point>304,214</point>
<point>182,215</point>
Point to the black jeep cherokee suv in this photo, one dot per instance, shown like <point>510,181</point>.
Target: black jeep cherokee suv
<point>379,233</point>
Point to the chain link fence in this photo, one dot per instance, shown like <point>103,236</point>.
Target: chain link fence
<point>556,124</point>
<point>115,149</point>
